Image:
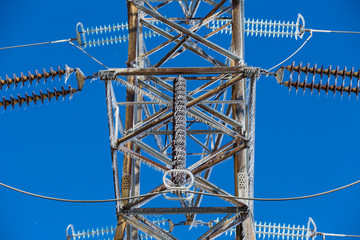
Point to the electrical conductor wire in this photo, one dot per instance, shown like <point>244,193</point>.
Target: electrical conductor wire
<point>88,55</point>
<point>331,31</point>
<point>167,191</point>
<point>36,44</point>
<point>77,201</point>
<point>292,54</point>
<point>311,31</point>
<point>278,199</point>
<point>337,235</point>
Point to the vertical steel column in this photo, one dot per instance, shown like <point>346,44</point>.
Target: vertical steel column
<point>126,179</point>
<point>137,118</point>
<point>238,93</point>
<point>114,162</point>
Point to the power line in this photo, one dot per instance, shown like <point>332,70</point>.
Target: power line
<point>311,31</point>
<point>331,31</point>
<point>70,40</point>
<point>169,191</point>
<point>77,201</point>
<point>280,199</point>
<point>292,53</point>
<point>88,55</point>
<point>36,44</point>
<point>337,235</point>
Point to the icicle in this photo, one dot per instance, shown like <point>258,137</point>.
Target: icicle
<point>124,151</point>
<point>141,91</point>
<point>221,127</point>
<point>68,72</point>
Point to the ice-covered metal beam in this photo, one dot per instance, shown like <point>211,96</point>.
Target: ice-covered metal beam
<point>111,73</point>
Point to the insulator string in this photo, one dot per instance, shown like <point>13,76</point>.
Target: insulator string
<point>179,130</point>
<point>117,39</point>
<point>93,233</point>
<point>336,79</point>
<point>37,97</point>
<point>36,77</point>
<point>106,28</point>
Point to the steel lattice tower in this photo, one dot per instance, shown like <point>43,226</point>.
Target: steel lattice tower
<point>171,104</point>
<point>186,108</point>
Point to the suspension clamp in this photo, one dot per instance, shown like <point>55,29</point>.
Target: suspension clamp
<point>176,189</point>
<point>107,74</point>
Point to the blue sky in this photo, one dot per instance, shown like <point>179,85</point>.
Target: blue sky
<point>304,143</point>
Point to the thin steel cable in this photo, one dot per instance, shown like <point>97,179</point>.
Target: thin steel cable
<point>280,199</point>
<point>311,31</point>
<point>338,235</point>
<point>167,191</point>
<point>88,55</point>
<point>331,31</point>
<point>292,54</point>
<point>36,44</point>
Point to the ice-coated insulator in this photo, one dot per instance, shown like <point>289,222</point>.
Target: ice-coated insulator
<point>30,77</point>
<point>116,39</point>
<point>179,130</point>
<point>105,29</point>
<point>44,75</point>
<point>332,83</point>
<point>264,28</point>
<point>37,97</point>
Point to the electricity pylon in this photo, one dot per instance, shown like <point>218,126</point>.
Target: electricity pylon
<point>203,110</point>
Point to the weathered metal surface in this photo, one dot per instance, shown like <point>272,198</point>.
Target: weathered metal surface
<point>112,72</point>
<point>207,109</point>
<point>183,210</point>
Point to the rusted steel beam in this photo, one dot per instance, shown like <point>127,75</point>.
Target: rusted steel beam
<point>207,186</point>
<point>207,84</point>
<point>218,160</point>
<point>192,78</point>
<point>157,233</point>
<point>231,223</point>
<point>158,47</point>
<point>170,53</point>
<point>126,179</point>
<point>215,228</point>
<point>152,117</point>
<point>212,155</point>
<point>145,199</point>
<point>189,132</point>
<point>153,226</point>
<point>112,72</point>
<point>214,3</point>
<point>248,228</point>
<point>146,160</point>
<point>239,111</point>
<point>217,30</point>
<point>200,210</point>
